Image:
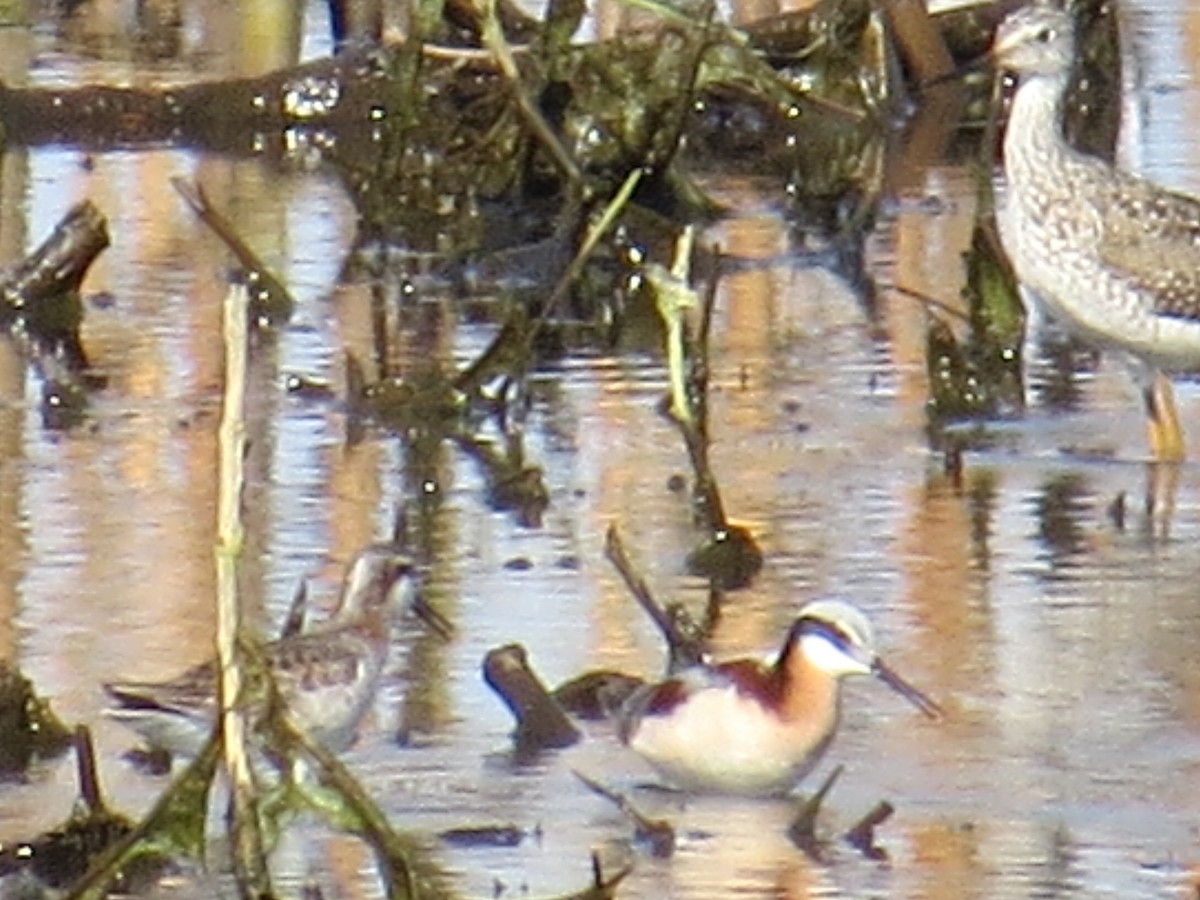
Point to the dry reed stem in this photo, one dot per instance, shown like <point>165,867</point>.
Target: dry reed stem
<point>245,835</point>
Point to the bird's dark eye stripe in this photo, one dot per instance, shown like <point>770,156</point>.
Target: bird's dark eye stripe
<point>827,630</point>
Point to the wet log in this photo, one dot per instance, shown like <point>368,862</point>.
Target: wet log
<point>541,723</point>
<point>340,93</point>
<point>352,93</point>
<point>55,270</point>
<point>43,311</point>
<point>596,694</point>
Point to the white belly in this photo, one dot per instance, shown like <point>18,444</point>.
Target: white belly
<point>720,741</point>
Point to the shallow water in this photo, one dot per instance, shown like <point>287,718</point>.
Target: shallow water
<point>1061,640</point>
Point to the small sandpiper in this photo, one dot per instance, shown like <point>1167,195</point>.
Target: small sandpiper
<point>749,728</point>
<point>326,677</point>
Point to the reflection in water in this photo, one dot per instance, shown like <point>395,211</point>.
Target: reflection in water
<point>1058,372</point>
<point>981,503</point>
<point>1057,624</point>
<point>1059,508</point>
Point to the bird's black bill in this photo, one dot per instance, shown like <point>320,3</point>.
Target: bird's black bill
<point>434,618</point>
<point>906,690</point>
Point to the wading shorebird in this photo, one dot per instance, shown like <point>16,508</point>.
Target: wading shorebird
<point>326,677</point>
<point>1110,255</point>
<point>745,727</point>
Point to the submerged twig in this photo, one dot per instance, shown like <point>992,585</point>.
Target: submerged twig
<point>59,856</point>
<point>729,556</point>
<point>657,834</point>
<point>85,766</point>
<point>471,836</point>
<point>932,304</point>
<point>507,354</point>
<point>270,302</point>
<point>366,818</point>
<point>862,835</point>
<point>293,623</point>
<point>494,40</point>
<point>595,232</point>
<point>175,821</point>
<point>511,483</point>
<point>674,298</point>
<point>685,641</point>
<point>601,888</point>
<point>803,829</point>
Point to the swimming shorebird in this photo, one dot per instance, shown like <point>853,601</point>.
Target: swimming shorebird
<point>326,677</point>
<point>1111,255</point>
<point>745,727</point>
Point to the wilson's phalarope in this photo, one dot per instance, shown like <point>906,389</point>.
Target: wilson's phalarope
<point>326,677</point>
<point>744,727</point>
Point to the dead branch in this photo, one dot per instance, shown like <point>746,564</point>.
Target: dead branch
<point>270,302</point>
<point>862,835</point>
<point>541,723</point>
<point>656,834</point>
<point>803,829</point>
<point>685,640</point>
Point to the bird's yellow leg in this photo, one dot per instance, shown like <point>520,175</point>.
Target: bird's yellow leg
<point>1166,437</point>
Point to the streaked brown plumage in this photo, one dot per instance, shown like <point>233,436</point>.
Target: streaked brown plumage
<point>1114,257</point>
<point>326,677</point>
